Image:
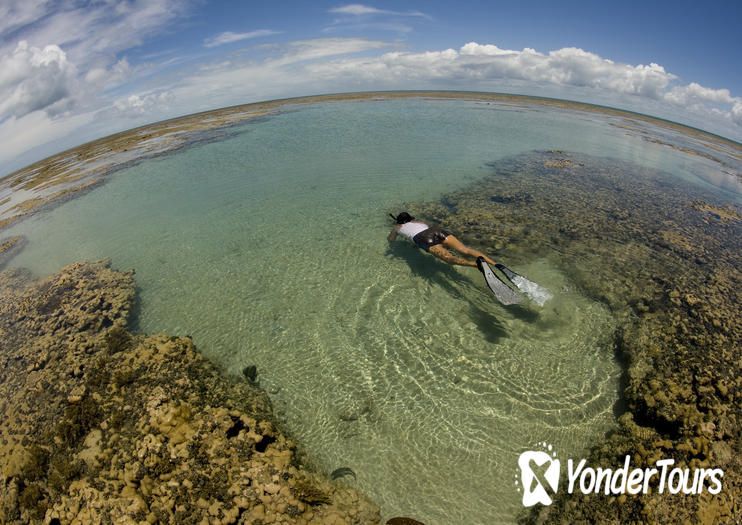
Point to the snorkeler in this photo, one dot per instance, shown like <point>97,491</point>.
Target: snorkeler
<point>439,242</point>
<point>435,240</point>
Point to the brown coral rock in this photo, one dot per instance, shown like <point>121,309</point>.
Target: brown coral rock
<point>102,426</point>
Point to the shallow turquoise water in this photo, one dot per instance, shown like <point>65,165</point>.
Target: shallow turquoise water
<point>269,249</point>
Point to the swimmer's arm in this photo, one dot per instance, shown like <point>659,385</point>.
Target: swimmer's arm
<point>393,234</point>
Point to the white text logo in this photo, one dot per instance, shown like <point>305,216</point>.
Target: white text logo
<point>539,478</point>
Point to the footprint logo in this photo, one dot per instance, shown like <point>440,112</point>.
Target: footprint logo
<point>539,475</point>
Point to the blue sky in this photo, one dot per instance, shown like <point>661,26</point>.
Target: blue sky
<point>75,70</point>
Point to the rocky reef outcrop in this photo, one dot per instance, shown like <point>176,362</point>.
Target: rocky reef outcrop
<point>102,426</point>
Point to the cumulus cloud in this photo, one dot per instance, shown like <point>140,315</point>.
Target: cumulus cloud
<point>344,64</point>
<point>737,113</point>
<point>58,60</point>
<point>228,37</point>
<point>587,76</point>
<point>136,104</point>
<point>490,68</point>
<point>34,79</point>
<point>58,56</point>
<point>566,66</point>
<point>106,76</point>
<point>694,93</point>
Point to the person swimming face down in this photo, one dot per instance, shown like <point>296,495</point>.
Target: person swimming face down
<point>434,240</point>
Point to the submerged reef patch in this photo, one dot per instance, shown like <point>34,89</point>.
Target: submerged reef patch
<point>666,257</point>
<point>100,425</point>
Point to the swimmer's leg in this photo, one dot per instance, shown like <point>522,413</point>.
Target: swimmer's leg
<point>453,243</point>
<point>444,255</point>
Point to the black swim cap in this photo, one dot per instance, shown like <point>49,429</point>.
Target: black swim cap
<point>403,217</point>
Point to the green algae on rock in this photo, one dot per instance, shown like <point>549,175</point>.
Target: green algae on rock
<point>100,425</point>
<point>666,256</point>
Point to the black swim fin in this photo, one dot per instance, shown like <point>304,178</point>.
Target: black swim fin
<point>502,291</point>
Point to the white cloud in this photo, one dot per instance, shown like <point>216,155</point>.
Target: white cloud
<point>362,10</point>
<point>136,105</point>
<point>38,132</point>
<point>16,14</point>
<point>570,73</point>
<point>567,66</point>
<point>117,73</point>
<point>355,9</point>
<point>694,93</point>
<point>34,79</point>
<point>344,64</point>
<point>228,37</point>
<point>58,60</point>
<point>325,47</point>
<point>400,29</point>
<point>283,73</point>
<point>59,56</point>
<point>473,49</point>
<point>90,30</point>
<point>362,19</point>
<point>58,81</point>
<point>737,113</point>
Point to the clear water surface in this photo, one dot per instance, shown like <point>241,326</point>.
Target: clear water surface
<point>269,248</point>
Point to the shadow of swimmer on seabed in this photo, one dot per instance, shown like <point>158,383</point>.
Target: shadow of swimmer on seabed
<point>441,243</point>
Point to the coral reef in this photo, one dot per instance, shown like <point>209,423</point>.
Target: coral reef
<point>100,426</point>
<point>667,258</point>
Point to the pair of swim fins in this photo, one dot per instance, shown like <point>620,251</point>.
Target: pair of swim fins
<point>504,293</point>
